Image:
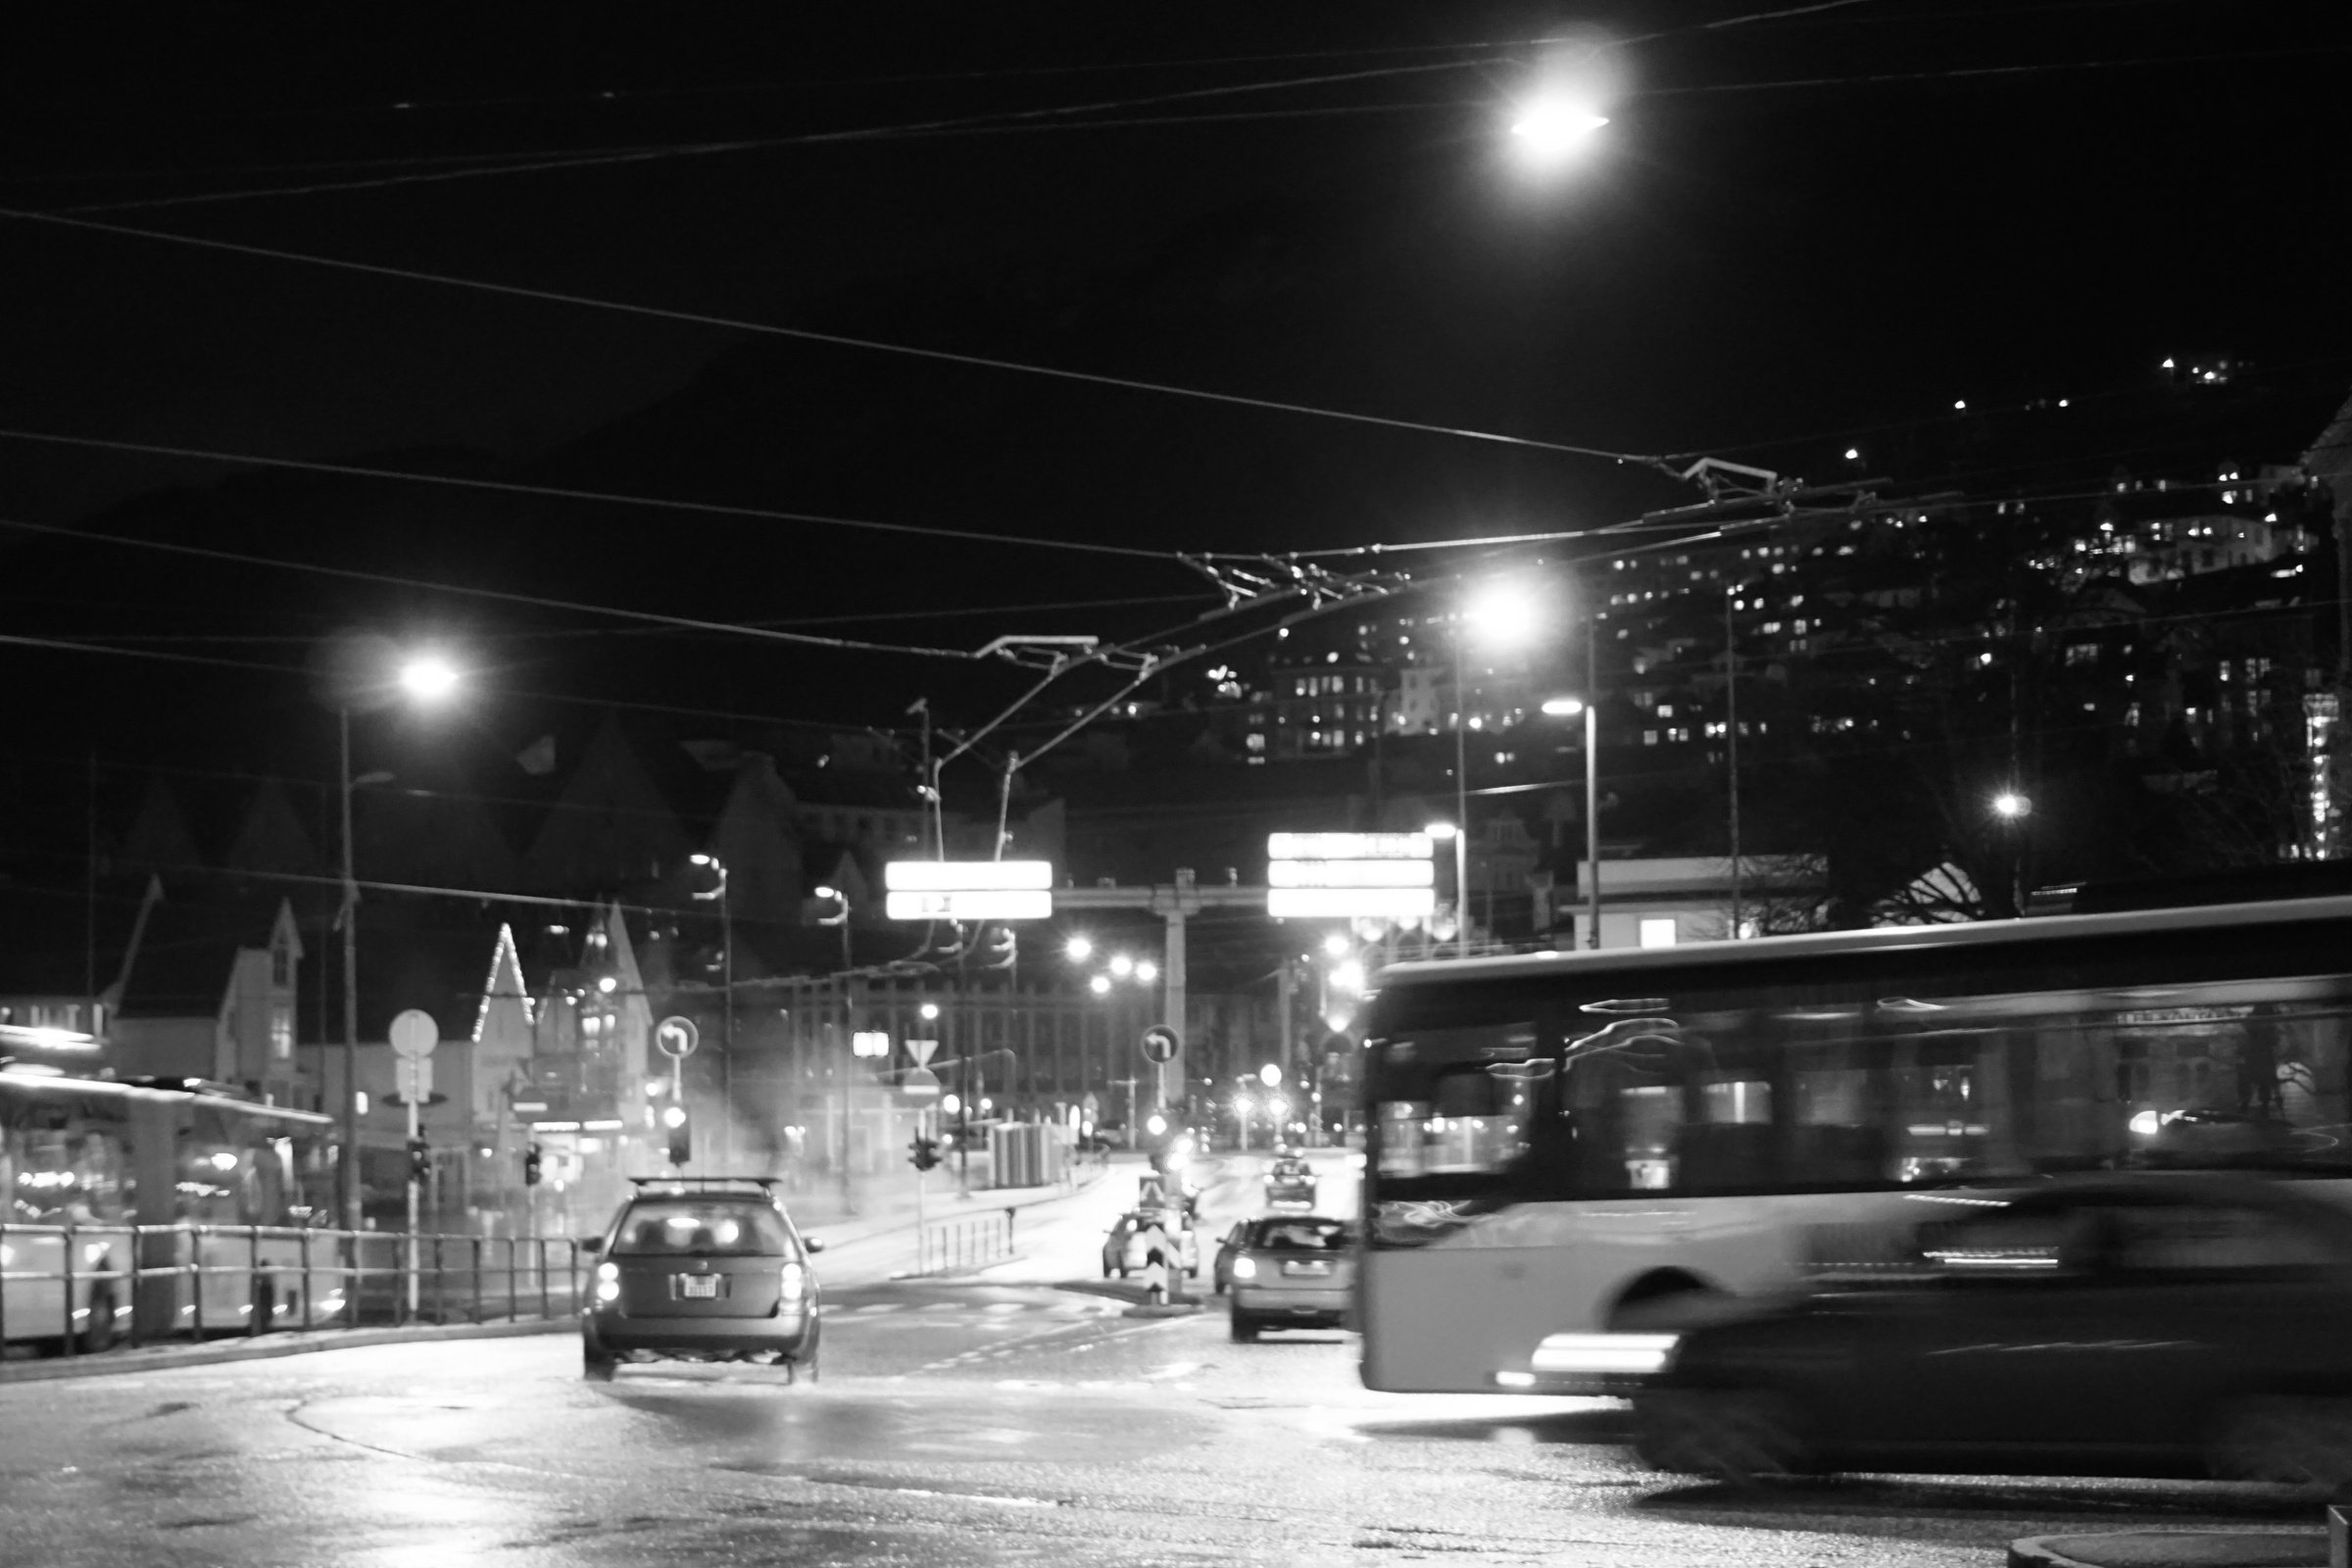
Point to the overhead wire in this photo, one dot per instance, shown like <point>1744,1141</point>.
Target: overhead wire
<point>810,335</point>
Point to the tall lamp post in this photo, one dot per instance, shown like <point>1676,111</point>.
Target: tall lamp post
<point>1569,707</point>
<point>727,1000</point>
<point>1505,612</point>
<point>367,674</point>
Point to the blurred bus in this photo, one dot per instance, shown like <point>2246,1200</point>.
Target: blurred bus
<point>1570,1154</point>
<point>120,1196</point>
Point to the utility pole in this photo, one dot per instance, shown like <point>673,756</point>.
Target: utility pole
<point>1731,731</point>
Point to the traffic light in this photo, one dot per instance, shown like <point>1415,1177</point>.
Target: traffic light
<point>924,1152</point>
<point>531,1166</point>
<point>681,1133</point>
<point>420,1159</point>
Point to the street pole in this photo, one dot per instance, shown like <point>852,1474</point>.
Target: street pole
<point>350,1164</point>
<point>414,1129</point>
<point>726,1020</point>
<point>1593,781</point>
<point>1461,799</point>
<point>1731,731</point>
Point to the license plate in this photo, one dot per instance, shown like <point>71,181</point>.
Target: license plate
<point>699,1287</point>
<point>1307,1268</point>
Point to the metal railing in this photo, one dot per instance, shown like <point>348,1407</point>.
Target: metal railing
<point>955,1246</point>
<point>87,1287</point>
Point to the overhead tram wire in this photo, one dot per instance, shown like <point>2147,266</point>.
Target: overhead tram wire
<point>830,339</point>
<point>714,509</point>
<point>675,710</point>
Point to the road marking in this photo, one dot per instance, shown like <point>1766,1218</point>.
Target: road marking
<point>1174,1369</point>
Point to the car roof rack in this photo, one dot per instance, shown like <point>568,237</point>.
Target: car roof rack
<point>767,1184</point>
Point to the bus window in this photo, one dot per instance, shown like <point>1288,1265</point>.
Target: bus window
<point>1457,1101</point>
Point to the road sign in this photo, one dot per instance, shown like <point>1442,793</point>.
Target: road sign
<point>414,1033</point>
<point>1346,875</point>
<point>675,1038</point>
<point>919,1083</point>
<point>921,1050</point>
<point>412,1078</point>
<point>969,889</point>
<point>1161,1042</point>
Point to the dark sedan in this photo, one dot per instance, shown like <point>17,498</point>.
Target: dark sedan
<point>2161,1325</point>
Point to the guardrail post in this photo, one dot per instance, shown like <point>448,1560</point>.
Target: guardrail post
<point>195,1276</point>
<point>302,1319</point>
<point>258,1304</point>
<point>539,1252</point>
<point>3,1289</point>
<point>473,1245</point>
<point>66,1252</point>
<point>513,1310</point>
<point>440,1284</point>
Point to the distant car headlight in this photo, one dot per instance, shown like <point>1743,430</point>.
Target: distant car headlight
<point>1244,1268</point>
<point>607,1282</point>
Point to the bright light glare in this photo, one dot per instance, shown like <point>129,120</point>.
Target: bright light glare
<point>1335,946</point>
<point>1348,978</point>
<point>1122,965</point>
<point>1269,1075</point>
<point>929,1010</point>
<point>949,1105</point>
<point>2011,804</point>
<point>428,677</point>
<point>1563,706</point>
<point>1147,972</point>
<point>1100,985</point>
<point>1440,830</point>
<point>1156,1124</point>
<point>1079,949</point>
<point>1505,613</point>
<point>1549,130</point>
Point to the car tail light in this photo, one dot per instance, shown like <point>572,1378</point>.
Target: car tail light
<point>607,1282</point>
<point>795,1282</point>
<point>1244,1268</point>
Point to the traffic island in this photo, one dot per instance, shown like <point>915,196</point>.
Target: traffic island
<point>2288,1547</point>
<point>1181,1306</point>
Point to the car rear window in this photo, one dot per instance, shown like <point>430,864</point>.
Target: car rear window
<point>700,1227</point>
<point>1304,1236</point>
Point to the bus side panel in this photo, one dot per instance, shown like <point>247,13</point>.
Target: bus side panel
<point>1446,1317</point>
<point>155,1174</point>
<point>36,1307</point>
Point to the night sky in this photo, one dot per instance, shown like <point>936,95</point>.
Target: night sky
<point>1817,228</point>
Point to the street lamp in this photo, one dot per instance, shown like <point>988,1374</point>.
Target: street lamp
<point>2013,808</point>
<point>840,918</point>
<point>726,987</point>
<point>1568,707</point>
<point>1078,949</point>
<point>367,674</point>
<point>1505,612</point>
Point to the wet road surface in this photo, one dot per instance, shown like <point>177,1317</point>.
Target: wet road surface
<point>1016,1417</point>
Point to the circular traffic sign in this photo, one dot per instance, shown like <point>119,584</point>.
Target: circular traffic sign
<point>414,1033</point>
<point>1161,1042</point>
<point>675,1037</point>
<point>919,1083</point>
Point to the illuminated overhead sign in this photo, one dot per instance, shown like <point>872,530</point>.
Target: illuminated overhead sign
<point>969,889</point>
<point>1337,876</point>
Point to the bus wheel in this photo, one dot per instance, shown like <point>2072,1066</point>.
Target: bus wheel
<point>98,1333</point>
<point>1737,1436</point>
<point>2304,1444</point>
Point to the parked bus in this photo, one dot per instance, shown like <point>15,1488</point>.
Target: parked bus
<point>1572,1154</point>
<point>120,1197</point>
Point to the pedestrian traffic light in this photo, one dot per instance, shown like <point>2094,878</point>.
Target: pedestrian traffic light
<point>531,1166</point>
<point>420,1159</point>
<point>681,1133</point>
<point>924,1152</point>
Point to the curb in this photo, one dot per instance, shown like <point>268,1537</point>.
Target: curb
<point>2283,1546</point>
<point>164,1358</point>
<point>1170,1309</point>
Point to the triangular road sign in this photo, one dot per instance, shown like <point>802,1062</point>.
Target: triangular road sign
<point>921,1050</point>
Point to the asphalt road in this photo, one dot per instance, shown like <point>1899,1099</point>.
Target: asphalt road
<point>1017,1416</point>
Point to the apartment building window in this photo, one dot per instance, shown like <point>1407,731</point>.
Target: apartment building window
<point>281,1034</point>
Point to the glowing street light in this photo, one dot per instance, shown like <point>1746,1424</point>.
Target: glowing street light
<point>1335,946</point>
<point>1122,965</point>
<point>1270,1076</point>
<point>1146,972</point>
<point>1100,985</point>
<point>428,677</point>
<point>1078,949</point>
<point>2011,806</point>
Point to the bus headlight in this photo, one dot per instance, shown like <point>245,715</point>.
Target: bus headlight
<point>607,1282</point>
<point>1631,1354</point>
